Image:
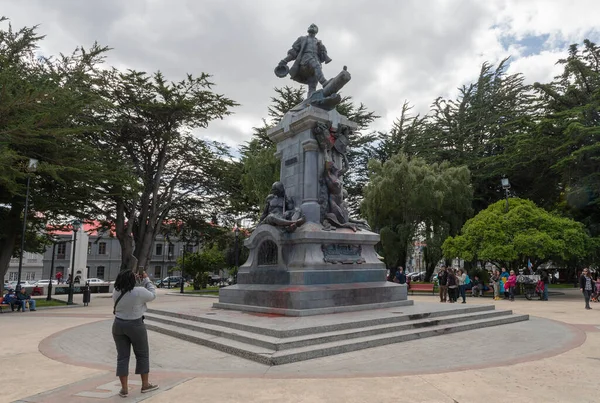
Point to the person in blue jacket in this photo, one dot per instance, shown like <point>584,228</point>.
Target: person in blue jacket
<point>503,277</point>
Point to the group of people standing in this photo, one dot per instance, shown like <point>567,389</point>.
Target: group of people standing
<point>452,284</point>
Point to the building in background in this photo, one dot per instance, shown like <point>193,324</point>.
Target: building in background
<point>102,255</point>
<point>32,268</point>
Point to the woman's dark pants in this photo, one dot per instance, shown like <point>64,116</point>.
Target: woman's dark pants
<point>587,294</point>
<point>463,292</point>
<point>128,333</point>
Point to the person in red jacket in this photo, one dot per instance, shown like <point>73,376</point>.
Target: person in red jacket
<point>510,285</point>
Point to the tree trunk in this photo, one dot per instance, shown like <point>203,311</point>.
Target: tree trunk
<point>11,229</point>
<point>124,233</point>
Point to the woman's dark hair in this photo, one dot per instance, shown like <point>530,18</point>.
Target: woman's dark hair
<point>125,281</point>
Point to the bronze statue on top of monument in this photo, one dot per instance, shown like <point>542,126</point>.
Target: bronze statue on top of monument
<point>308,54</point>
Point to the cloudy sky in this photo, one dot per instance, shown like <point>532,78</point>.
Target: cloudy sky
<point>395,50</point>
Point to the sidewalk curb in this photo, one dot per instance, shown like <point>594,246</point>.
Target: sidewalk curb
<point>197,295</point>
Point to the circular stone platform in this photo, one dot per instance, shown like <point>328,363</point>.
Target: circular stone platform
<point>91,345</point>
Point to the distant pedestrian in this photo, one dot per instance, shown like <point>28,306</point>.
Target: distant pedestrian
<point>400,277</point>
<point>462,277</point>
<point>452,286</point>
<point>510,285</point>
<point>587,287</point>
<point>495,279</point>
<point>546,280</point>
<point>443,284</point>
<point>478,287</point>
<point>503,278</point>
<point>87,294</point>
<point>59,277</point>
<point>596,294</point>
<point>129,329</point>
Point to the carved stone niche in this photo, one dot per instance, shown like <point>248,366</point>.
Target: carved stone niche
<point>267,253</point>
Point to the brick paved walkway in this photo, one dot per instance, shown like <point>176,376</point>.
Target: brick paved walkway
<point>67,355</point>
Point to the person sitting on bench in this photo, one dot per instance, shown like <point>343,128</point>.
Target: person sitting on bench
<point>23,299</point>
<point>478,287</point>
<point>10,299</point>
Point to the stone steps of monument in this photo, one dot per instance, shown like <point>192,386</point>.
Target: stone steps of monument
<point>327,349</point>
<point>351,323</point>
<point>278,344</point>
<point>271,356</point>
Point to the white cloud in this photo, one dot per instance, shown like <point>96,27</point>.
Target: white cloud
<point>541,67</point>
<point>395,51</point>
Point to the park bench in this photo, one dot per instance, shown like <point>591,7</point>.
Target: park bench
<point>3,305</point>
<point>421,287</point>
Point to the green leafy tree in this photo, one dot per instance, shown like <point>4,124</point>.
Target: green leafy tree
<point>200,264</point>
<point>569,133</point>
<point>525,231</point>
<point>146,124</point>
<point>44,105</point>
<point>474,129</point>
<point>408,197</point>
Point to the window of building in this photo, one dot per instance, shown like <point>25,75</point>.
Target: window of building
<point>159,249</point>
<point>100,272</point>
<point>157,271</point>
<point>12,276</point>
<point>171,250</point>
<point>102,248</point>
<point>189,248</point>
<point>89,248</point>
<point>61,250</point>
<point>30,276</point>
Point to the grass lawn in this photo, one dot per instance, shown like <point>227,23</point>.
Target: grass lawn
<point>43,303</point>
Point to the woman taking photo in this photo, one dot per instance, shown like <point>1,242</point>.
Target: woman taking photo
<point>128,328</point>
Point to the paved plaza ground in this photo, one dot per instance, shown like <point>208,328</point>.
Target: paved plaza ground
<point>67,355</point>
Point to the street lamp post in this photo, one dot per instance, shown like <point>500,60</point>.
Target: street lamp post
<point>75,229</point>
<point>183,267</point>
<point>49,297</point>
<point>505,185</point>
<point>32,167</point>
<point>236,248</point>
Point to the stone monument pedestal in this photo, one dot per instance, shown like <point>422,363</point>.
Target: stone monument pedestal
<point>315,269</point>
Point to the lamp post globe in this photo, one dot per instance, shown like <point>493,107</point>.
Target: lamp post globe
<point>505,185</point>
